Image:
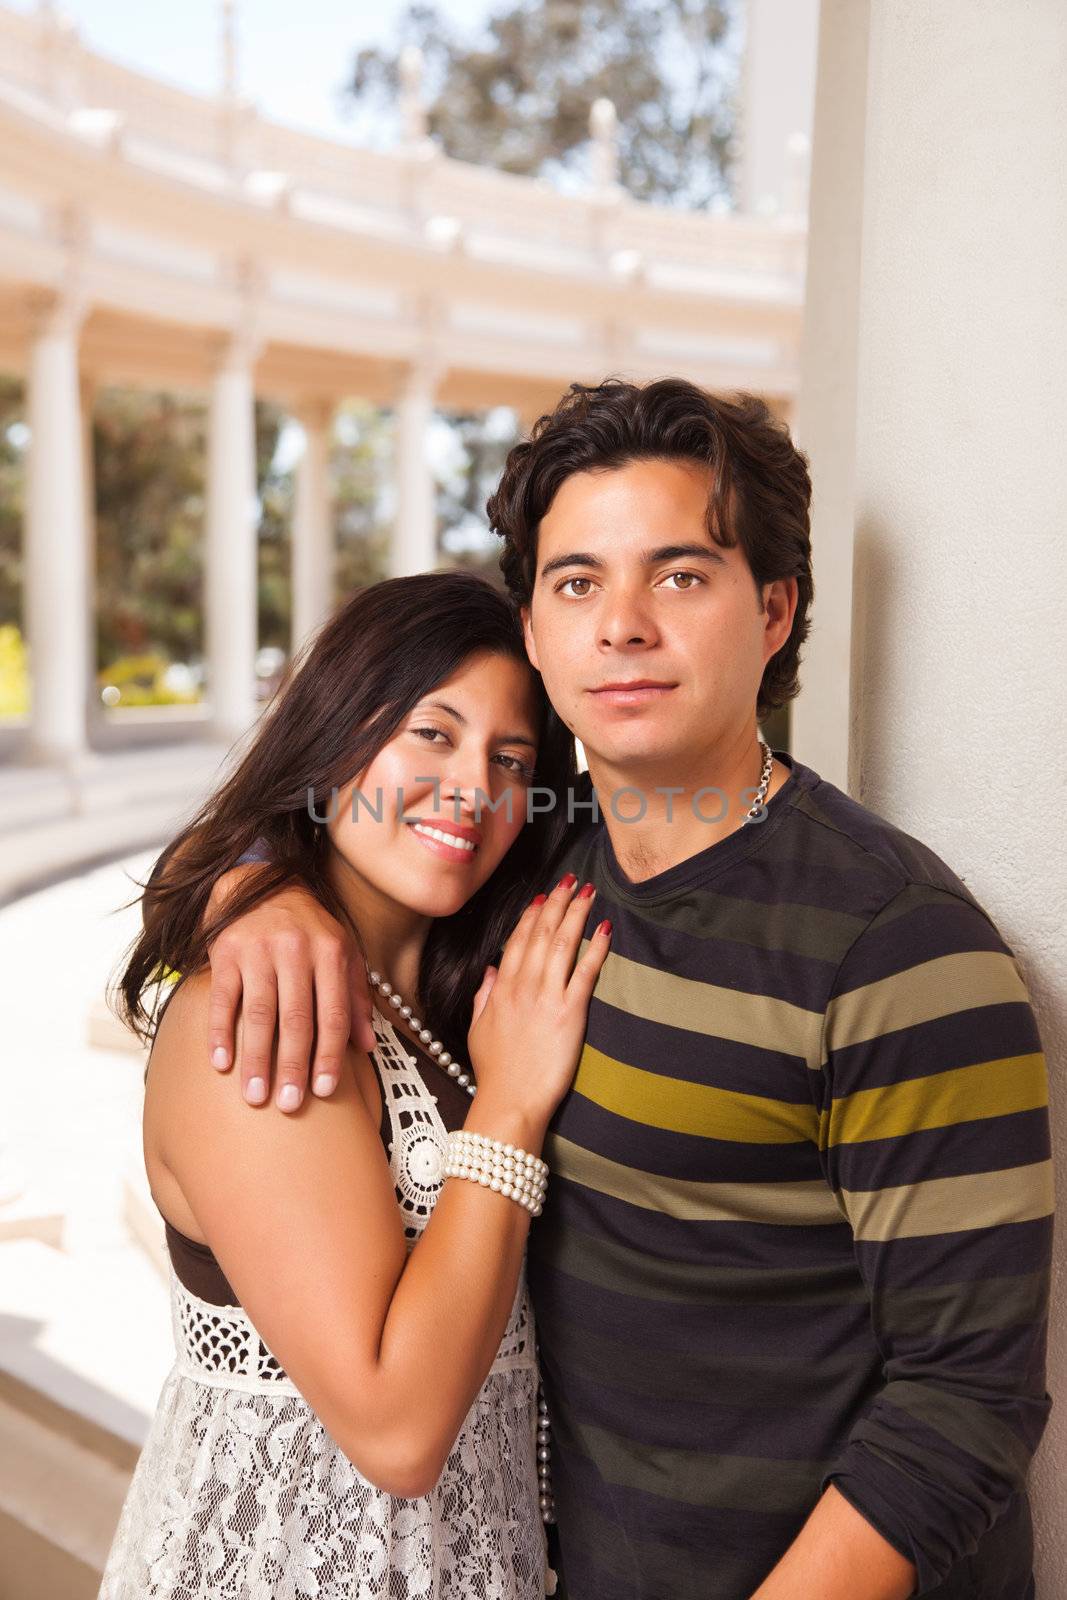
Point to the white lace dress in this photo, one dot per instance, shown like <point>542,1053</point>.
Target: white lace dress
<point>241,1494</point>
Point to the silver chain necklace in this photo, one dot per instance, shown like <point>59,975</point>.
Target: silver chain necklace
<point>764,781</point>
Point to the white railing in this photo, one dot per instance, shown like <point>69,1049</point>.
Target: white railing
<point>219,143</point>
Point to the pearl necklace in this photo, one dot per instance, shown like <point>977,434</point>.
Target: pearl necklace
<point>435,1048</point>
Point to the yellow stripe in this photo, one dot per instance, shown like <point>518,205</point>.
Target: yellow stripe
<point>952,1205</point>
<point>933,989</point>
<point>803,1204</point>
<point>697,1108</point>
<point>962,1094</point>
<point>708,1008</point>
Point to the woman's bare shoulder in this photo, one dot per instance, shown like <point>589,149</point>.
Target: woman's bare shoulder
<point>180,1078</point>
<point>183,1024</point>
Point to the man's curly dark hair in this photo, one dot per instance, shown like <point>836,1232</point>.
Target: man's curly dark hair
<point>760,497</point>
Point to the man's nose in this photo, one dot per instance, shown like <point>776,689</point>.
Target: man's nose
<point>626,619</point>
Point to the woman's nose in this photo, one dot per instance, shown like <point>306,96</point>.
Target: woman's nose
<point>471,779</point>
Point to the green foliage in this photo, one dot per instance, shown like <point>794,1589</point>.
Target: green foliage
<point>360,467</point>
<point>12,492</point>
<point>149,467</point>
<point>518,98</point>
<point>140,681</point>
<point>275,489</point>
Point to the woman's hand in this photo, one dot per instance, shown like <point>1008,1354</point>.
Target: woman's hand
<point>287,964</point>
<point>530,1015</point>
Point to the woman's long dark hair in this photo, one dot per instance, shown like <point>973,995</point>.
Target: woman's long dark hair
<point>342,699</point>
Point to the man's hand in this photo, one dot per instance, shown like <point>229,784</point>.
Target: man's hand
<point>285,963</point>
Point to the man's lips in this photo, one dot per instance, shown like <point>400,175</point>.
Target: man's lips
<point>636,692</point>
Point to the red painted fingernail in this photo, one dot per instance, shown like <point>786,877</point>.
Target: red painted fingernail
<point>586,891</point>
<point>539,899</point>
<point>567,882</point>
<point>604,927</point>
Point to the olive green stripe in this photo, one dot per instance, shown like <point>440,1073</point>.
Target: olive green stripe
<point>619,1551</point>
<point>939,1100</point>
<point>953,1310</point>
<point>793,928</point>
<point>694,1108</point>
<point>802,1204</point>
<point>951,1205</point>
<point>700,1478</point>
<point>608,1263</point>
<point>714,1011</point>
<point>923,993</point>
<point>968,1424</point>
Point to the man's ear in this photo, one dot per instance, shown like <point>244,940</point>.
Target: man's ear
<point>527,633</point>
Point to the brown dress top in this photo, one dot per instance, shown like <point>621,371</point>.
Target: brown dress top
<point>195,1264</point>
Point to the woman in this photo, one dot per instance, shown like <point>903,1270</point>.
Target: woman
<point>349,1416</point>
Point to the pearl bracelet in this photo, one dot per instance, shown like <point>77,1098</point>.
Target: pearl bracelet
<point>502,1168</point>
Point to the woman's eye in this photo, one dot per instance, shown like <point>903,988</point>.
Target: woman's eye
<point>435,733</point>
<point>520,768</point>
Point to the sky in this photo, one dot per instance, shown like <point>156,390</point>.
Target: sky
<point>291,58</point>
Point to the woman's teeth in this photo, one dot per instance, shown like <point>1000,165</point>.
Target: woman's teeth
<point>445,838</point>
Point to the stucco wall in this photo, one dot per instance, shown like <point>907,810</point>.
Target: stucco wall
<point>951,498</point>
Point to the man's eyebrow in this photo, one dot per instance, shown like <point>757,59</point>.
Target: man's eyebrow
<point>506,738</point>
<point>649,558</point>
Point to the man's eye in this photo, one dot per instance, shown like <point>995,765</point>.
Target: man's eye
<point>566,581</point>
<point>697,578</point>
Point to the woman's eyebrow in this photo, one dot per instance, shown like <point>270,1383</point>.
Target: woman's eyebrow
<point>505,738</point>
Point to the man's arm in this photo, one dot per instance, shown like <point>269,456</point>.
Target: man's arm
<point>935,1138</point>
<point>837,1555</point>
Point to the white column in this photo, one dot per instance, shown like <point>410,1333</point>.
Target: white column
<point>57,590</point>
<point>231,545</point>
<point>826,408</point>
<point>414,543</point>
<point>313,552</point>
<point>958,499</point>
<point>88,395</point>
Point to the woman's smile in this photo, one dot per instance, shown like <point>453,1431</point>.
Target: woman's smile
<point>445,841</point>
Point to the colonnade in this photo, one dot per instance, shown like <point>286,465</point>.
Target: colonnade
<point>59,530</point>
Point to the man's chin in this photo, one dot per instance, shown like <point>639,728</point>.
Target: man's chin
<point>637,751</point>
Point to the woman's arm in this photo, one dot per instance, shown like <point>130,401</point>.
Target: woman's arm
<point>389,1350</point>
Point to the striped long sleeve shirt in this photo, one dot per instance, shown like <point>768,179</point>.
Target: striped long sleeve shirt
<point>799,1222</point>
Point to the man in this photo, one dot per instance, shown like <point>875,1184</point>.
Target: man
<point>791,1279</point>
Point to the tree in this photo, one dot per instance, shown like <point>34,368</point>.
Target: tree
<point>359,467</point>
<point>519,98</point>
<point>479,444</point>
<point>148,465</point>
<point>12,493</point>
